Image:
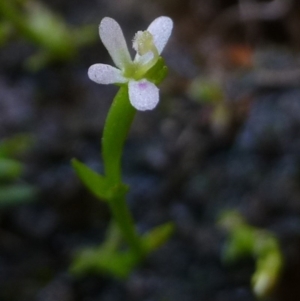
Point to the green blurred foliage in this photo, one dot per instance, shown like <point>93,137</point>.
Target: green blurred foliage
<point>12,190</point>
<point>10,169</point>
<point>205,91</point>
<point>246,240</point>
<point>15,146</point>
<point>211,94</point>
<point>37,24</point>
<point>113,258</point>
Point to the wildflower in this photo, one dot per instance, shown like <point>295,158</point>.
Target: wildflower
<point>143,94</point>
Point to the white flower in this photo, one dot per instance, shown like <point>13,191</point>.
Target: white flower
<point>149,44</point>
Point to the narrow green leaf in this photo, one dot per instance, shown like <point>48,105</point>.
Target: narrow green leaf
<point>96,183</point>
<point>157,236</point>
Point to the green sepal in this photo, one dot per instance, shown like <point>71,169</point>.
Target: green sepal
<point>157,237</point>
<point>158,72</point>
<point>97,184</point>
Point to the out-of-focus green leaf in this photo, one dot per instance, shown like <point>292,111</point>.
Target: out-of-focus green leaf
<point>50,30</point>
<point>205,91</point>
<point>105,261</point>
<point>36,23</point>
<point>10,169</point>
<point>157,236</point>
<point>15,145</point>
<point>5,32</point>
<point>239,244</point>
<point>16,194</point>
<point>267,273</point>
<point>84,35</point>
<point>246,240</point>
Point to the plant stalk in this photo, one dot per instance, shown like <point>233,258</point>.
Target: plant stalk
<point>117,125</point>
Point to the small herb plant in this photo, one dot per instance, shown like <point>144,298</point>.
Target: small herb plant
<point>246,240</point>
<point>138,80</point>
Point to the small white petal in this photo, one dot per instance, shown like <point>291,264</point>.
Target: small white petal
<point>106,74</point>
<point>143,95</point>
<point>113,39</point>
<point>161,29</point>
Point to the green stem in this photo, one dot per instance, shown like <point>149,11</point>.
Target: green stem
<point>124,220</point>
<point>116,128</point>
<point>118,122</point>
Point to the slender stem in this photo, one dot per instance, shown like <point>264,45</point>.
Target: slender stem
<point>124,220</point>
<point>116,128</point>
<point>118,122</point>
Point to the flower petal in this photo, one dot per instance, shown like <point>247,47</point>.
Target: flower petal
<point>161,29</point>
<point>113,39</point>
<point>143,95</point>
<point>105,74</point>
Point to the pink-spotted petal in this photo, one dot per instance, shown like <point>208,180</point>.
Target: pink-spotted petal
<point>105,74</point>
<point>113,39</point>
<point>143,95</point>
<point>161,29</point>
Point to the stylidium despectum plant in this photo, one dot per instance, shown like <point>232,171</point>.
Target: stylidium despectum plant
<point>138,79</point>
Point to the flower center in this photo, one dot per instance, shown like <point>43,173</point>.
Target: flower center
<point>147,53</point>
<point>143,42</point>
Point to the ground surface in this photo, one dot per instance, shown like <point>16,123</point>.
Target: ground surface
<point>186,161</point>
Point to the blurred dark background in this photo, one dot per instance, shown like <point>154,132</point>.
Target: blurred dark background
<point>226,135</point>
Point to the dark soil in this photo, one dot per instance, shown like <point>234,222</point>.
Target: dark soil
<point>181,166</point>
